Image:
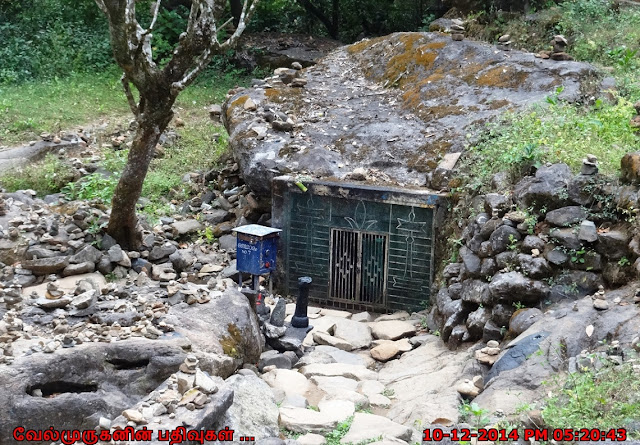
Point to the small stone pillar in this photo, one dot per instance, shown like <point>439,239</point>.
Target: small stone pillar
<point>300,319</point>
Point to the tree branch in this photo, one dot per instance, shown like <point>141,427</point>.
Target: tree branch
<point>129,94</point>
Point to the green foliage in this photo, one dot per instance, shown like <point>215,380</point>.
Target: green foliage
<point>45,177</point>
<point>48,39</point>
<point>94,186</point>
<point>555,133</point>
<point>334,437</point>
<point>624,261</point>
<point>472,413</point>
<point>518,305</point>
<point>513,243</point>
<point>605,399</point>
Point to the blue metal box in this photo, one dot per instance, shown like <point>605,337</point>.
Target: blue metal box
<point>256,249</point>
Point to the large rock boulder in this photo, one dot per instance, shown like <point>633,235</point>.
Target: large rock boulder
<point>254,411</point>
<point>81,384</point>
<point>225,331</point>
<point>367,105</point>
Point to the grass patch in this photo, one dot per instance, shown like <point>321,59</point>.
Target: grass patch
<point>554,132</point>
<point>30,108</point>
<point>47,176</point>
<point>609,398</point>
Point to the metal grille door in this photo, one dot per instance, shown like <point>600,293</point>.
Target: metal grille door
<point>358,266</point>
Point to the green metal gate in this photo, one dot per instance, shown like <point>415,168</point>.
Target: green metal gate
<point>364,248</point>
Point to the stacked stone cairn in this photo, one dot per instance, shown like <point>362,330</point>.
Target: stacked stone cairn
<point>457,30</point>
<point>504,42</point>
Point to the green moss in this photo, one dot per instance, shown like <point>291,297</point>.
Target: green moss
<point>503,77</point>
<point>233,344</point>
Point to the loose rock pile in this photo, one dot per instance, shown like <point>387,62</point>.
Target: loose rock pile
<point>511,260</point>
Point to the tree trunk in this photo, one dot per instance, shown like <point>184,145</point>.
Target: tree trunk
<point>123,221</point>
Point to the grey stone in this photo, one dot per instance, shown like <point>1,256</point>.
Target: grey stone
<point>278,313</point>
<point>566,216</point>
<point>531,242</point>
<point>186,227</point>
<point>501,314</point>
<point>46,266</point>
<point>182,259</point>
<point>77,269</point>
<point>523,319</point>
<point>566,237</point>
<point>496,203</point>
<point>87,254</point>
<point>556,256</point>
<point>547,189</point>
<point>613,244</point>
<point>489,267</point>
<point>584,283</point>
<point>516,355</point>
<point>472,264</point>
<point>513,287</point>
<point>161,252</point>
<point>588,231</point>
<point>537,267</point>
<point>476,321</point>
<point>274,358</point>
<point>118,256</point>
<point>476,291</point>
<point>254,411</point>
<point>503,238</point>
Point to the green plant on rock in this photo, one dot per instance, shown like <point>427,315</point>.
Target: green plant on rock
<point>513,243</point>
<point>474,414</point>
<point>624,261</point>
<point>518,305</point>
<point>577,256</point>
<point>603,399</point>
<point>334,437</point>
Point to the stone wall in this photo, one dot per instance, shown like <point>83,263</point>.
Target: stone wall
<point>554,236</point>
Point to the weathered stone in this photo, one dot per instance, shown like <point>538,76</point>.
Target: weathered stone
<point>46,266</point>
<point>496,203</point>
<point>369,426</point>
<point>476,291</point>
<point>302,420</point>
<point>472,264</point>
<point>588,231</point>
<point>357,372</point>
<point>186,227</point>
<point>501,314</point>
<point>476,321</point>
<point>548,188</point>
<point>78,269</point>
<point>556,256</point>
<point>566,237</point>
<point>87,254</point>
<point>291,382</point>
<point>613,244</point>
<point>322,338</point>
<point>630,168</point>
<point>532,267</point>
<point>513,287</point>
<point>531,242</point>
<point>582,283</point>
<point>392,330</point>
<point>522,319</point>
<point>161,252</point>
<point>278,313</point>
<point>254,411</point>
<point>355,333</point>
<point>503,238</point>
<point>385,352</point>
<point>260,161</point>
<point>566,216</point>
<point>274,358</point>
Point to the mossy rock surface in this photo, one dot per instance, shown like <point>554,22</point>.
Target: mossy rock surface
<point>395,104</point>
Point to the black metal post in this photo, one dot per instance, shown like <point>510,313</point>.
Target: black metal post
<point>300,319</point>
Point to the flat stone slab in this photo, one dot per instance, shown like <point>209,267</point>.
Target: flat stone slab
<point>369,426</point>
<point>356,372</point>
<point>392,329</point>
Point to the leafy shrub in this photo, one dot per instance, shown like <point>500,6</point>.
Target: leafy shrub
<point>557,132</point>
<point>604,399</point>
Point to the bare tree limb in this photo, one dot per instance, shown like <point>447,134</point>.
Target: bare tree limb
<point>155,16</point>
<point>129,94</point>
<point>101,5</point>
<point>245,17</point>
